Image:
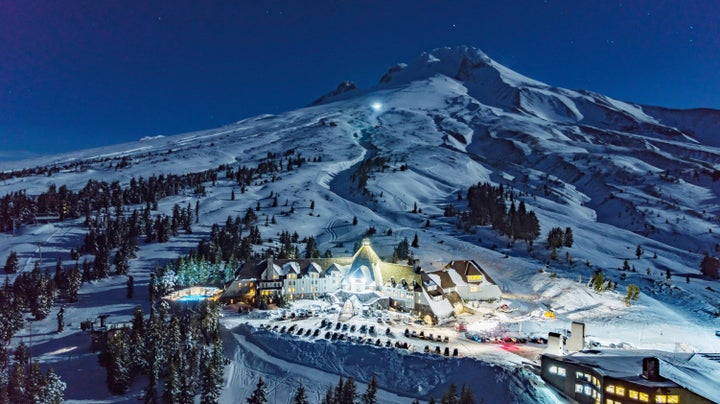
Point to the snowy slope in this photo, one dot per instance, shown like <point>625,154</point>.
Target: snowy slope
<point>619,174</point>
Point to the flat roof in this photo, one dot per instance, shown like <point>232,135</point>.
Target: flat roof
<point>696,372</point>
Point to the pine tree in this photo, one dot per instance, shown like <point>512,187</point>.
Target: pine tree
<point>370,395</point>
<point>74,281</point>
<point>16,390</point>
<point>4,373</point>
<point>258,395</point>
<point>337,394</point>
<point>11,317</point>
<point>349,392</point>
<point>300,396</point>
<point>53,389</point>
<point>568,239</point>
<point>415,243</point>
<point>328,399</point>
<point>11,264</point>
<point>450,396</point>
<point>34,383</point>
<point>212,375</point>
<point>118,364</point>
<point>598,282</point>
<point>466,395</point>
<point>638,251</point>
<point>171,391</point>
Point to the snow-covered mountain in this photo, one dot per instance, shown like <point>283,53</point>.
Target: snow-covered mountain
<point>621,175</point>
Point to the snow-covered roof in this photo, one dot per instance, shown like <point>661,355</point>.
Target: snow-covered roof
<point>291,267</point>
<point>313,268</point>
<point>441,308</point>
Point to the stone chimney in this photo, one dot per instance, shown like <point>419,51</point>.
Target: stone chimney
<point>556,344</point>
<point>576,342</point>
<point>651,369</point>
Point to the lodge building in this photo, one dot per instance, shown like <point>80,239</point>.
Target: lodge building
<point>437,294</point>
<point>631,376</point>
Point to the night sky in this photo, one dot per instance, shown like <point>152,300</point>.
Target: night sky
<point>80,74</point>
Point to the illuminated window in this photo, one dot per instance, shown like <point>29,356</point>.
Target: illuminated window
<point>673,399</point>
<point>661,398</point>
<point>587,390</point>
<point>579,375</point>
<point>292,276</point>
<point>553,370</point>
<point>644,397</point>
<point>561,372</point>
<point>620,391</point>
<point>474,278</point>
<point>578,388</point>
<point>473,289</point>
<point>633,394</point>
<point>275,276</point>
<point>610,388</point>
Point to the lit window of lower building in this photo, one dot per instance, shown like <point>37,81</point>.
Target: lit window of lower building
<point>644,397</point>
<point>620,391</point>
<point>578,388</point>
<point>610,388</point>
<point>633,394</point>
<point>561,372</point>
<point>673,399</point>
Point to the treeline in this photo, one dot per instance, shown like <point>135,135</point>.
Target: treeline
<point>271,164</point>
<point>346,392</point>
<point>181,352</point>
<point>366,167</point>
<point>487,206</point>
<point>22,381</point>
<point>18,208</point>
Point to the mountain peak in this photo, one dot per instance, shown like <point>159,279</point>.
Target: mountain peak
<point>464,63</point>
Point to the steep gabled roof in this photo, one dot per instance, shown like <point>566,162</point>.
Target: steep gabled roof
<point>251,270</point>
<point>311,268</point>
<point>466,268</point>
<point>291,267</point>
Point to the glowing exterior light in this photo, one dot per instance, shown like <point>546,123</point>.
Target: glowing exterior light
<point>376,106</point>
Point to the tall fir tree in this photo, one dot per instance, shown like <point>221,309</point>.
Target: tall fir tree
<point>258,395</point>
<point>118,364</point>
<point>53,389</point>
<point>11,264</point>
<point>349,392</point>
<point>370,395</point>
<point>466,395</point>
<point>300,396</point>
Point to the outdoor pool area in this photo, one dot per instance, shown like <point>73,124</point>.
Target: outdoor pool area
<point>194,294</point>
